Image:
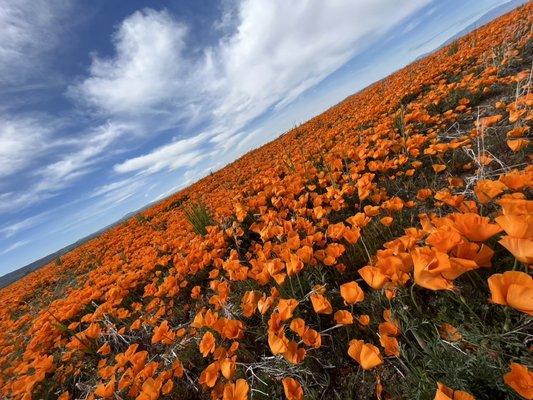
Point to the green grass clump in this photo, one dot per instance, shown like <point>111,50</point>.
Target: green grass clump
<point>199,216</point>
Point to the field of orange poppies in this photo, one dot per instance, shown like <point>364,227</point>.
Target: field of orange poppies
<point>381,250</point>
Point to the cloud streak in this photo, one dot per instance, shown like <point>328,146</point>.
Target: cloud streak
<point>29,31</point>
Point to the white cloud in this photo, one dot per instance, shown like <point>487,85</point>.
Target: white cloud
<point>21,141</point>
<point>29,30</point>
<point>14,246</point>
<point>77,163</point>
<point>81,155</point>
<point>181,153</point>
<point>278,50</point>
<point>11,229</point>
<point>146,70</point>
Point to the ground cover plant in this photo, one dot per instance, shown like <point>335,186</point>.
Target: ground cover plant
<point>380,250</point>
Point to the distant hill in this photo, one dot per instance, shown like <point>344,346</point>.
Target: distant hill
<point>483,20</point>
<point>486,18</point>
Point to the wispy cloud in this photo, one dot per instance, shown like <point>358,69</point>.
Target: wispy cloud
<point>13,228</point>
<point>14,246</point>
<point>22,140</point>
<point>29,30</point>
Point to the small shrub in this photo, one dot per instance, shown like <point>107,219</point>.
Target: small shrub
<point>199,216</point>
<point>454,47</point>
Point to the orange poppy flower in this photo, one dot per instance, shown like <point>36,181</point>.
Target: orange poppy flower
<point>521,249</point>
<point>513,205</point>
<point>373,277</point>
<point>277,342</point>
<point>517,132</point>
<point>167,387</point>
<point>428,268</point>
<point>366,354</point>
<point>286,308</point>
<point>264,304</point>
<point>227,367</point>
<point>488,121</point>
<point>294,354</point>
<point>107,390</point>
<point>438,167</point>
<point>177,369</point>
<point>364,319</point>
<point>517,180</point>
<point>196,292</point>
<point>486,190</point>
<point>387,221</point>
<point>423,194</point>
<point>390,344</point>
<point>312,338</point>
<point>236,391</point>
<point>520,379</point>
<point>292,388</point>
<point>351,292</point>
<point>298,326</point>
<point>209,375</point>
<point>473,226</point>
<point>321,305</point>
<point>163,334</point>
<point>232,329</point>
<point>207,344</point>
<point>444,240</point>
<point>249,302</point>
<point>150,390</point>
<point>513,289</point>
<point>294,265</point>
<point>517,144</point>
<point>445,393</point>
<point>343,317</point>
<point>105,349</point>
<point>517,225</point>
<point>351,235</point>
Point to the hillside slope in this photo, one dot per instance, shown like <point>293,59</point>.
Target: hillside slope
<point>380,250</point>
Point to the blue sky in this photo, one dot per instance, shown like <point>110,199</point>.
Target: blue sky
<point>109,105</point>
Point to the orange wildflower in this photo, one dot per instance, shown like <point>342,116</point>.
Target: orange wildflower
<point>107,390</point>
<point>373,277</point>
<point>521,249</point>
<point>209,375</point>
<point>364,319</point>
<point>236,391</point>
<point>438,167</point>
<point>150,390</point>
<point>343,317</point>
<point>366,354</point>
<point>513,289</point>
<point>473,226</point>
<point>298,326</point>
<point>486,190</point>
<point>321,304</point>
<point>207,344</point>
<point>520,379</point>
<point>517,144</point>
<point>445,393</point>
<point>294,354</point>
<point>428,268</point>
<point>351,292</point>
<point>292,388</point>
<point>286,308</point>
